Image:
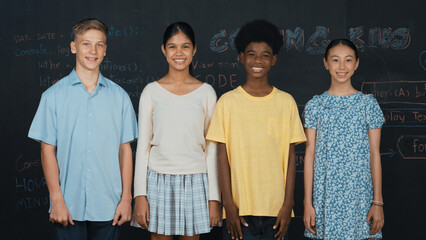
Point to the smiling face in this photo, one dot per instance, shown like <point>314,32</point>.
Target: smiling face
<point>179,51</point>
<point>341,63</point>
<point>258,59</point>
<point>90,49</point>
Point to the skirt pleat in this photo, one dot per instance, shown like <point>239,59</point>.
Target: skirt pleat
<point>178,204</point>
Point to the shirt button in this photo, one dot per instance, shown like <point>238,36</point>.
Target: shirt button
<point>88,169</point>
<point>90,115</point>
<point>90,151</point>
<point>90,133</point>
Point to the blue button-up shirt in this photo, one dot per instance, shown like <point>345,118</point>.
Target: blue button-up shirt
<point>87,130</point>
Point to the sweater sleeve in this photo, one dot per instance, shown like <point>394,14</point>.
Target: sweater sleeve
<point>146,107</point>
<point>211,149</point>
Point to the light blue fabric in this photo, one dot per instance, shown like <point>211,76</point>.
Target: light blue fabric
<point>178,204</point>
<point>342,190</point>
<point>87,130</point>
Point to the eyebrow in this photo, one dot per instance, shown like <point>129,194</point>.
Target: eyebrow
<point>344,56</point>
<point>185,43</point>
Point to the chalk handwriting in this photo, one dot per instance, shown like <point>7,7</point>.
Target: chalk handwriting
<point>405,92</point>
<point>412,146</point>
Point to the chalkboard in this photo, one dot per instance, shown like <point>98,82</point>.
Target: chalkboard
<point>390,35</point>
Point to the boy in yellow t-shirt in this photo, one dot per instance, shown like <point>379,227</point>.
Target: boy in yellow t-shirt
<point>256,127</point>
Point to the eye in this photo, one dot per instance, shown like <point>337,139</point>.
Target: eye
<point>349,60</point>
<point>100,44</point>
<point>334,60</point>
<point>86,44</point>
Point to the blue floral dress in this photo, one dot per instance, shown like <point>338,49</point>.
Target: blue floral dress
<point>342,187</point>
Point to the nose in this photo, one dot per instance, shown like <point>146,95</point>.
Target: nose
<point>93,48</point>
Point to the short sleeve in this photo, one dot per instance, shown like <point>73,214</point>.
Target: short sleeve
<point>374,117</point>
<point>216,130</point>
<point>297,133</point>
<point>129,127</point>
<point>44,125</point>
<point>310,114</point>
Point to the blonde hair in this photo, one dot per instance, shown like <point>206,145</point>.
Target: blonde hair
<point>89,23</point>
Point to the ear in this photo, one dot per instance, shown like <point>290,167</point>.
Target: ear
<point>274,59</point>
<point>105,49</point>
<point>195,50</point>
<point>163,50</point>
<point>325,63</point>
<point>357,64</point>
<point>72,46</point>
<point>242,57</point>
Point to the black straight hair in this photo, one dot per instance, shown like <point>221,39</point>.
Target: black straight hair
<point>177,27</point>
<point>341,41</point>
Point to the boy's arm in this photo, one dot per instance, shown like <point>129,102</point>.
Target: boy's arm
<point>284,215</point>
<point>123,212</point>
<point>233,220</point>
<point>59,212</point>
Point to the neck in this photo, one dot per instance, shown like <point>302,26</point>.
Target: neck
<point>88,78</point>
<point>178,77</point>
<point>258,87</point>
<point>341,89</point>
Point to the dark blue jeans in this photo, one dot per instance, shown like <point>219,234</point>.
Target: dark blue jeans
<point>259,228</point>
<point>83,230</point>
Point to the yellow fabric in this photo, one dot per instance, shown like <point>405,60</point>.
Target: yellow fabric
<point>257,132</point>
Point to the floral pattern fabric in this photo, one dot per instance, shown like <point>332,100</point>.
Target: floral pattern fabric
<point>342,187</point>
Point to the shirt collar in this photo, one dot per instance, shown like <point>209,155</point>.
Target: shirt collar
<point>74,80</point>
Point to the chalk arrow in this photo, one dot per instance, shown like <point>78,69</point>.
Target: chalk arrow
<point>389,154</point>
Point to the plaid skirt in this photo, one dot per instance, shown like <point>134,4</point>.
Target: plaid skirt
<point>178,204</point>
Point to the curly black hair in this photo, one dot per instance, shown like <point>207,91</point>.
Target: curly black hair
<point>259,31</point>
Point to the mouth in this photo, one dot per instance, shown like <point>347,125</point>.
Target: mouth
<point>92,59</point>
<point>179,60</point>
<point>341,74</point>
<point>256,69</point>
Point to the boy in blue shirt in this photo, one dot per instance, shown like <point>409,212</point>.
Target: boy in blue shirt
<point>85,124</point>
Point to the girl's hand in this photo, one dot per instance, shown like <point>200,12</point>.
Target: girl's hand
<point>376,216</point>
<point>142,211</point>
<point>214,212</point>
<point>309,218</point>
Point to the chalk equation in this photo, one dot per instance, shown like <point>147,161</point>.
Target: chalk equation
<point>412,146</point>
<point>404,92</point>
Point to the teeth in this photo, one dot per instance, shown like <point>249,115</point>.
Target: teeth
<point>256,69</point>
<point>179,60</point>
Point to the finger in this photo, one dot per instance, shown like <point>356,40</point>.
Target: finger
<point>239,231</point>
<point>115,220</point>
<point>147,214</point>
<point>277,222</point>
<point>243,221</point>
<point>70,219</point>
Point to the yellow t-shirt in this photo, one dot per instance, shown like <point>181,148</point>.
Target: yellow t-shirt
<point>257,132</point>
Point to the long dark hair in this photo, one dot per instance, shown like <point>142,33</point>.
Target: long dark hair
<point>176,27</point>
<point>342,41</point>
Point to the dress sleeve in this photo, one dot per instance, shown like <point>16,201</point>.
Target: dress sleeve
<point>146,108</point>
<point>211,149</point>
<point>44,125</point>
<point>297,133</point>
<point>310,114</point>
<point>375,117</point>
<point>129,128</point>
